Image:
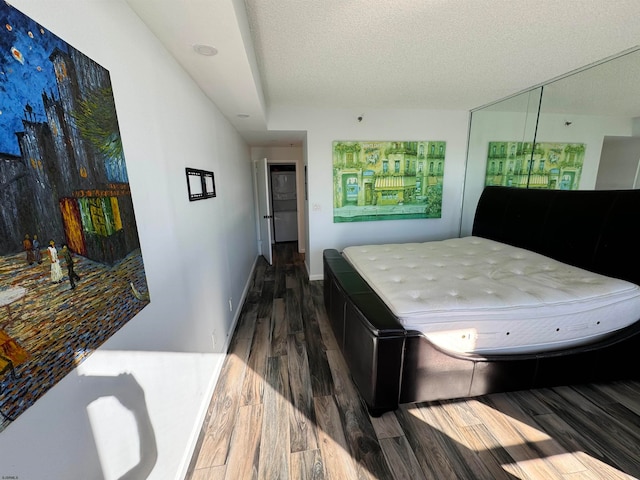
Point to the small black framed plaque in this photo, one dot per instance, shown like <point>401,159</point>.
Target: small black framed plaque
<point>200,183</point>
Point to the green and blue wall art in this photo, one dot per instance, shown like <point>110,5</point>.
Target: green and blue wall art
<point>387,180</point>
<point>547,165</point>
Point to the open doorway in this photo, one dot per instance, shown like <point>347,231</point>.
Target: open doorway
<point>284,202</point>
<point>619,163</point>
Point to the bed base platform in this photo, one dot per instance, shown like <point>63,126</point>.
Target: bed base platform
<point>390,365</point>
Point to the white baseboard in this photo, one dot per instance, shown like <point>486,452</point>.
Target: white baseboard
<point>236,317</point>
<point>202,413</point>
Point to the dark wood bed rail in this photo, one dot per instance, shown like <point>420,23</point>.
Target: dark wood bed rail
<point>594,230</point>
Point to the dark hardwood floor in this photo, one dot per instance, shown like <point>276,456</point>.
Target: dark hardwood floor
<point>285,408</point>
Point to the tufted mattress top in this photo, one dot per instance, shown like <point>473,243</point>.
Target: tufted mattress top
<point>476,295</point>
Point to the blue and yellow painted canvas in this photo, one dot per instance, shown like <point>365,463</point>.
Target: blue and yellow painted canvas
<point>71,270</point>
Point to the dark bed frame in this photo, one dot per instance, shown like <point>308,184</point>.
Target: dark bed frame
<point>594,230</point>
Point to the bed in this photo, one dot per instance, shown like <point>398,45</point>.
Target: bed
<point>557,243</point>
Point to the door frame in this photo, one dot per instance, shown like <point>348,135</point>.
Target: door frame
<point>263,209</point>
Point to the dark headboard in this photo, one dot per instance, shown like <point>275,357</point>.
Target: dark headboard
<point>593,229</point>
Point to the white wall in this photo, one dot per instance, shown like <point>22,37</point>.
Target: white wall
<point>138,402</point>
<point>587,129</point>
<point>325,126</point>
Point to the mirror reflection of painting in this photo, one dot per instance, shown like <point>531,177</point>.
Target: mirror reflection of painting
<point>381,180</point>
<point>72,272</point>
<point>552,166</point>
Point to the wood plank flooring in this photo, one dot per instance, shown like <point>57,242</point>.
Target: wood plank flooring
<point>285,408</point>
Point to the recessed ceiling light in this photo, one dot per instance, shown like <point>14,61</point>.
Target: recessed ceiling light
<point>206,50</point>
<point>243,115</point>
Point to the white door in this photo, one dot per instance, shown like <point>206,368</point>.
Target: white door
<point>264,209</point>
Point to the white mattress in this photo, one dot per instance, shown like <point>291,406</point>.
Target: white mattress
<point>480,296</point>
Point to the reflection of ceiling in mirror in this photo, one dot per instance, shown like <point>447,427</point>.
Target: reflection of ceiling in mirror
<point>610,88</point>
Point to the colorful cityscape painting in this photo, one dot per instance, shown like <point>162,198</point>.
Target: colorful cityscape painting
<point>387,180</point>
<point>552,166</point>
<point>72,272</point>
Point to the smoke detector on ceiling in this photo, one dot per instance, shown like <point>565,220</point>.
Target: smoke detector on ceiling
<point>206,50</point>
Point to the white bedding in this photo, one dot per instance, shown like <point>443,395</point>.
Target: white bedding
<point>476,295</point>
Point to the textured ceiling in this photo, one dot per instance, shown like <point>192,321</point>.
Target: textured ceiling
<point>370,54</point>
